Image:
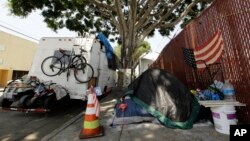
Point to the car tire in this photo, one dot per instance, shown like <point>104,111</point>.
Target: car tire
<point>24,101</point>
<point>4,102</point>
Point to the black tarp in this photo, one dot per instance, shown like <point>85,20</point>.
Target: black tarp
<point>166,98</point>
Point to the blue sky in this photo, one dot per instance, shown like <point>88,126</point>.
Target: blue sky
<point>34,27</point>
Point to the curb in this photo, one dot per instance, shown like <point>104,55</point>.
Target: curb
<point>58,130</point>
<point>65,125</point>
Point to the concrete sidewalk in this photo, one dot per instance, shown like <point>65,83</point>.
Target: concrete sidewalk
<point>134,132</point>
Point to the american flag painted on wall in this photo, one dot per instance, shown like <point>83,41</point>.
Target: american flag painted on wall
<point>209,52</point>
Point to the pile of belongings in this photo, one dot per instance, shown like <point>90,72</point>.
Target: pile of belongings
<point>212,92</point>
<point>157,95</point>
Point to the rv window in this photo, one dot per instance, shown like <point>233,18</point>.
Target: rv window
<point>64,59</point>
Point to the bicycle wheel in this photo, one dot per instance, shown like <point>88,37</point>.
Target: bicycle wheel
<point>83,72</point>
<point>51,66</point>
<point>78,60</point>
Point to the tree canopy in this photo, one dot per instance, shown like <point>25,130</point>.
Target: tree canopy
<point>129,21</point>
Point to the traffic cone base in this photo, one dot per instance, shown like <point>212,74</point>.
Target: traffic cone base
<point>99,132</point>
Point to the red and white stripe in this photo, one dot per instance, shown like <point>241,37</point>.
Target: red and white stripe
<point>37,110</point>
<point>210,52</point>
<point>97,105</point>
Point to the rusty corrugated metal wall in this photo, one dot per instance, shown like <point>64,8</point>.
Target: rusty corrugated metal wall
<point>232,18</point>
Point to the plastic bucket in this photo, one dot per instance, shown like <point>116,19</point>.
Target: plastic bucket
<point>223,117</point>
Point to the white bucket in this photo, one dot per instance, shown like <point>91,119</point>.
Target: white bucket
<point>223,117</point>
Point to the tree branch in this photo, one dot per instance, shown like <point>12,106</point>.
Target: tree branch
<point>151,5</point>
<point>147,31</point>
<point>116,23</point>
<point>101,5</point>
<point>151,27</point>
<point>132,20</point>
<point>182,15</point>
<point>171,10</point>
<point>120,15</point>
<point>160,12</point>
<point>141,12</point>
<point>172,23</point>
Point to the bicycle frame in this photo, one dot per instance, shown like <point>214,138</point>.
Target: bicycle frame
<point>72,63</point>
<point>64,65</point>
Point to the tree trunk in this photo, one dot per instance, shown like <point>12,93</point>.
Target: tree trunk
<point>120,79</point>
<point>128,47</point>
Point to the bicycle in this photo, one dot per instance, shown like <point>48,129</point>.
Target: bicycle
<point>53,65</point>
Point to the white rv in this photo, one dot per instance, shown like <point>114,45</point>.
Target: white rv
<point>95,56</point>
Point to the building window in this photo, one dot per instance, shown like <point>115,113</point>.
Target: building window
<point>18,74</point>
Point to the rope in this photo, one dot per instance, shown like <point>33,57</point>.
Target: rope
<point>121,126</point>
<point>122,107</point>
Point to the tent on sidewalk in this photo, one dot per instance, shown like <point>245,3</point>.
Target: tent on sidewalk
<point>158,94</point>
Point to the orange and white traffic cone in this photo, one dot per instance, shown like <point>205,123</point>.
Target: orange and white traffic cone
<point>91,126</point>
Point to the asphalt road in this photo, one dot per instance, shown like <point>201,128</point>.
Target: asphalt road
<point>16,126</point>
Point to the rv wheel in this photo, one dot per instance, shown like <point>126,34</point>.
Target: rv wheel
<point>65,101</point>
<point>4,102</point>
<point>49,103</point>
<point>24,101</point>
